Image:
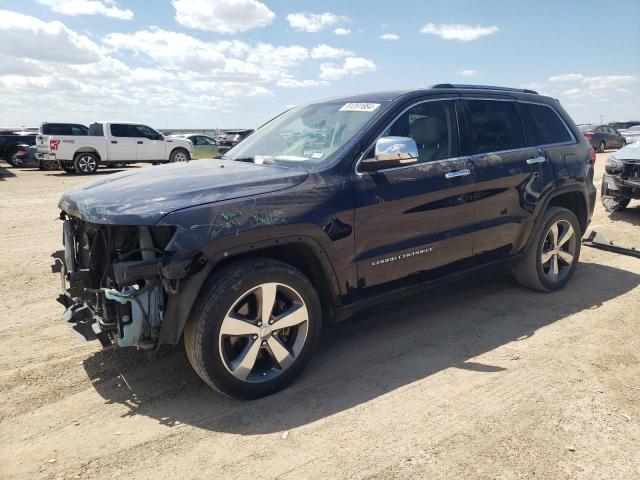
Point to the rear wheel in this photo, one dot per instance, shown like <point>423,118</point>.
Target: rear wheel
<point>553,254</point>
<point>179,155</point>
<point>48,165</point>
<point>15,160</point>
<point>602,147</point>
<point>254,328</point>
<point>85,163</point>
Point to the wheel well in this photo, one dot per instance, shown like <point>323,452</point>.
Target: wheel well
<point>302,257</point>
<point>575,202</point>
<point>180,148</point>
<point>86,150</point>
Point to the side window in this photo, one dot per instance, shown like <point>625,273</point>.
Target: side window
<point>205,141</point>
<point>494,126</point>
<point>146,132</point>
<point>120,130</point>
<point>433,126</point>
<point>78,130</point>
<point>544,126</point>
<point>195,140</point>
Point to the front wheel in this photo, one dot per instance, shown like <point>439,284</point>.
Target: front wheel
<point>254,328</point>
<point>179,155</point>
<point>86,163</point>
<point>553,253</point>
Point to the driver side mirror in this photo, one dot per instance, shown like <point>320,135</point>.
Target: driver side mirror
<point>392,152</point>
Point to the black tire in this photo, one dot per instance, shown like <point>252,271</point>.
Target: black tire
<point>202,334</point>
<point>67,167</point>
<point>529,270</point>
<point>179,155</point>
<point>86,163</point>
<point>602,147</point>
<point>14,161</point>
<point>614,204</point>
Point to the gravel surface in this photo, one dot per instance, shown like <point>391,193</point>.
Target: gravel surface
<point>478,380</point>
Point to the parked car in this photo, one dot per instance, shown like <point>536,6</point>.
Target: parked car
<point>621,180</point>
<point>231,138</point>
<point>602,137</point>
<point>112,143</point>
<point>328,208</point>
<point>203,145</point>
<point>70,129</point>
<point>631,134</point>
<point>623,125</point>
<point>9,145</point>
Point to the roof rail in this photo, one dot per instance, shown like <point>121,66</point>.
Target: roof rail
<point>484,87</point>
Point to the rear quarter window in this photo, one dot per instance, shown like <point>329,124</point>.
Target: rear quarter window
<point>544,125</point>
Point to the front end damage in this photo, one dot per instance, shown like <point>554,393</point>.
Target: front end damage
<point>621,178</point>
<point>117,280</point>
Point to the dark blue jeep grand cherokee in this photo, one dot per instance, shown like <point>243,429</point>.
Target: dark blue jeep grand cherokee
<point>326,208</point>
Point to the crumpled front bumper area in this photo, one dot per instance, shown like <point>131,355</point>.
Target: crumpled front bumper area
<point>115,281</point>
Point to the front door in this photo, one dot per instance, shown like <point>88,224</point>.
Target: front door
<point>150,144</point>
<point>418,217</point>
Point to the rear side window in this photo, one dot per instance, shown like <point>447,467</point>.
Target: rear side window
<point>494,126</point>
<point>79,130</point>
<point>120,130</point>
<point>544,125</point>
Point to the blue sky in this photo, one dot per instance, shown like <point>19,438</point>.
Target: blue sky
<point>236,63</point>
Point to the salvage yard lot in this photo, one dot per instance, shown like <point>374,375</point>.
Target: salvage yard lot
<point>481,379</point>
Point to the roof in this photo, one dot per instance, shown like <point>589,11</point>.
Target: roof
<point>391,95</point>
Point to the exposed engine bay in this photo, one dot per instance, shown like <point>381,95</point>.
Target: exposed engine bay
<point>116,281</point>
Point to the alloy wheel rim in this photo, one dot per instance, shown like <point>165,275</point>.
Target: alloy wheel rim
<point>263,333</point>
<point>558,250</point>
<point>87,164</point>
<point>180,157</point>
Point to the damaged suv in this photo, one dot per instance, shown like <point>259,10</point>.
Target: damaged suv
<point>327,208</point>
<point>621,180</point>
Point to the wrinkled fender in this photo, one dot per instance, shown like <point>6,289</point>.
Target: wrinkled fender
<point>542,205</point>
<point>180,305</point>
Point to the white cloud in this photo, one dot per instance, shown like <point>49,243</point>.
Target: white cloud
<point>314,22</point>
<point>342,31</point>
<point>566,77</point>
<point>23,36</point>
<point>351,66</point>
<point>461,32</point>
<point>596,82</point>
<point>467,73</point>
<point>325,51</point>
<point>389,36</point>
<point>88,7</point>
<point>293,83</point>
<point>223,16</point>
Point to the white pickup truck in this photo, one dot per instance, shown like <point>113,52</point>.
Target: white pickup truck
<point>112,143</point>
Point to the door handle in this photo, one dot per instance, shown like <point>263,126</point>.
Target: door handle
<point>539,159</point>
<point>458,173</point>
<point>139,143</point>
<point>114,141</point>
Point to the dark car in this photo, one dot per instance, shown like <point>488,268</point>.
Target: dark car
<point>621,180</point>
<point>602,137</point>
<point>328,208</point>
<point>64,129</point>
<point>9,145</point>
<point>231,138</point>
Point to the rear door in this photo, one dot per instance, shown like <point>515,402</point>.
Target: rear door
<point>507,174</point>
<point>417,217</point>
<point>204,146</point>
<point>122,143</point>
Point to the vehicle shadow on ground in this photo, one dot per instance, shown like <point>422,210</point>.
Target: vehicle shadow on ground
<point>101,171</point>
<point>372,354</point>
<point>5,173</point>
<point>630,215</point>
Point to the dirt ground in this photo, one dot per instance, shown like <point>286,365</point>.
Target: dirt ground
<point>478,380</point>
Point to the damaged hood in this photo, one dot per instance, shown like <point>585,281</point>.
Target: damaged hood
<point>144,196</point>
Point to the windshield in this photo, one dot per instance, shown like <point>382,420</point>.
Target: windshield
<point>305,136</point>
